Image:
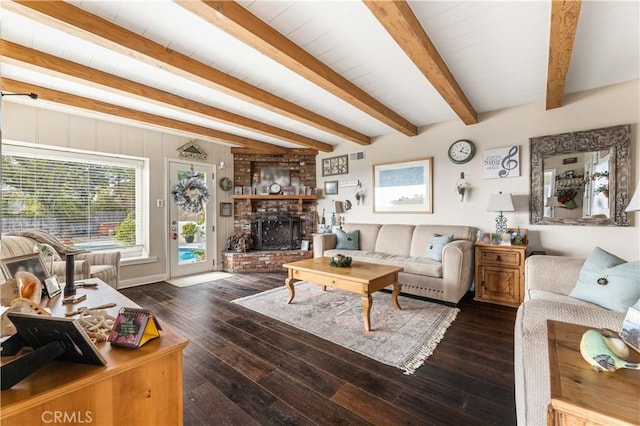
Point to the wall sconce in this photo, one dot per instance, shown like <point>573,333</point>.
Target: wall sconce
<point>500,203</point>
<point>461,186</point>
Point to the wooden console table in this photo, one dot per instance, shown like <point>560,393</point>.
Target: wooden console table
<point>137,386</point>
<point>581,395</point>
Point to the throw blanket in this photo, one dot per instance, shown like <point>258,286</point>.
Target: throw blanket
<point>46,238</point>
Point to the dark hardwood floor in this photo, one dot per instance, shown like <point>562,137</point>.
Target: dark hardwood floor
<point>241,368</point>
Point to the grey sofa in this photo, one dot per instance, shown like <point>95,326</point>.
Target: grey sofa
<point>548,283</point>
<point>405,245</point>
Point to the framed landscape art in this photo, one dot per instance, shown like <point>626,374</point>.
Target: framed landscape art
<point>403,187</point>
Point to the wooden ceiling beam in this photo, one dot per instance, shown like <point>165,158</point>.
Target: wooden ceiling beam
<point>56,96</point>
<point>83,24</point>
<point>564,23</point>
<point>246,27</point>
<point>402,24</point>
<point>33,59</point>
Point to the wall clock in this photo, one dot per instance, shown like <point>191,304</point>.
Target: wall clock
<point>225,184</point>
<point>461,151</point>
<point>275,188</point>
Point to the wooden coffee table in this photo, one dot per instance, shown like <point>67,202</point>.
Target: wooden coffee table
<point>361,277</point>
<point>581,395</point>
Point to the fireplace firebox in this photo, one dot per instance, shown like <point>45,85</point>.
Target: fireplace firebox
<point>276,232</point>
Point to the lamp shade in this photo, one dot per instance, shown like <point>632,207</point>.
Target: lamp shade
<point>634,204</point>
<point>339,207</point>
<point>500,203</point>
<point>553,202</point>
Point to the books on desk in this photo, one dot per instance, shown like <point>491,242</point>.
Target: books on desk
<point>133,328</point>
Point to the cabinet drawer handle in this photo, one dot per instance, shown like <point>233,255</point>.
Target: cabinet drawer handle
<point>498,258</point>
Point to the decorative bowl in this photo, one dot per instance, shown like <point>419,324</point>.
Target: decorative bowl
<point>340,261</point>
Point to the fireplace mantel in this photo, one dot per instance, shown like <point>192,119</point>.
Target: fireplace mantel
<point>300,198</point>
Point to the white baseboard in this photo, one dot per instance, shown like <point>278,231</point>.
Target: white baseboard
<point>149,279</point>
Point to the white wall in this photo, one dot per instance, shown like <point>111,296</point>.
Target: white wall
<point>604,107</point>
<point>26,123</point>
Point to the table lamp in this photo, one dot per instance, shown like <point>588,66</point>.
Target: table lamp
<point>500,203</point>
<point>634,204</point>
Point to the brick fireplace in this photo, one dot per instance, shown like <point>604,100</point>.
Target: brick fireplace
<point>278,223</point>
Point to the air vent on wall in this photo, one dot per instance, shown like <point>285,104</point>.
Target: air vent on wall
<point>356,156</point>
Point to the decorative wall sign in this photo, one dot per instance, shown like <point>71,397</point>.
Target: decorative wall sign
<point>501,162</point>
<point>403,187</point>
<point>191,150</point>
<point>335,165</point>
<point>348,183</point>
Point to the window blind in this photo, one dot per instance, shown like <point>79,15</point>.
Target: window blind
<point>87,199</point>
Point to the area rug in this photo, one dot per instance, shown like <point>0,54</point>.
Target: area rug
<point>198,279</point>
<point>400,338</point>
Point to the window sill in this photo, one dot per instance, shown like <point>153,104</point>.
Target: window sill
<point>138,260</point>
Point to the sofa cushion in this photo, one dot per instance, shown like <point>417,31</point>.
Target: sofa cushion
<point>395,239</point>
<point>368,234</point>
<point>107,273</point>
<point>347,240</point>
<point>423,233</point>
<point>436,245</point>
<point>608,281</point>
<point>411,265</point>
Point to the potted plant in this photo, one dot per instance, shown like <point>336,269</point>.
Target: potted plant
<point>600,175</point>
<point>189,231</point>
<point>602,188</point>
<point>566,197</point>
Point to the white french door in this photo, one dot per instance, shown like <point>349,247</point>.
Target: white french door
<point>191,220</point>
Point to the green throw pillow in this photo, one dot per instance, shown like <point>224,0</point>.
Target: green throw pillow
<point>347,240</point>
<point>608,281</point>
<point>436,245</point>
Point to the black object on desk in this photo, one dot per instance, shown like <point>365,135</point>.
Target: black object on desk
<point>51,338</point>
<point>70,269</point>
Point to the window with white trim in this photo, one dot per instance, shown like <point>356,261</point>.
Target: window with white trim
<point>92,200</point>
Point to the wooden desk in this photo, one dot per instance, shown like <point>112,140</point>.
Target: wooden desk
<point>581,395</point>
<point>137,386</point>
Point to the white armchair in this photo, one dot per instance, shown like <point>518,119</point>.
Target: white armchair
<point>105,266</point>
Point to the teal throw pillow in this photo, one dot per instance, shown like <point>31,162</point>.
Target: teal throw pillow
<point>608,281</point>
<point>347,240</point>
<point>436,245</point>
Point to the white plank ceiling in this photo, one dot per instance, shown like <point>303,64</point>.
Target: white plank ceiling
<point>497,52</point>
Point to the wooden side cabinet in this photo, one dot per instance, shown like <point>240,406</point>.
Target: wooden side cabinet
<point>500,274</point>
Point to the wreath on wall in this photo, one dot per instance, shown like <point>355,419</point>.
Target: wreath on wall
<point>191,194</point>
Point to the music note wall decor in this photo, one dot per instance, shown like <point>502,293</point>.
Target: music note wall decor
<point>501,162</point>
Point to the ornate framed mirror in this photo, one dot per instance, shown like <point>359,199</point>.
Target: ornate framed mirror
<point>581,178</point>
